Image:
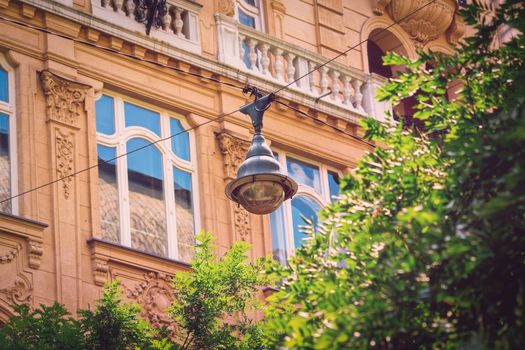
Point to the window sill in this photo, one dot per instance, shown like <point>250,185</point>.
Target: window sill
<point>17,228</point>
<point>104,254</point>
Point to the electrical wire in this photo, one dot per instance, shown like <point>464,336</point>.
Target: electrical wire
<point>195,75</point>
<point>119,156</point>
<point>351,48</point>
<point>109,49</point>
<point>327,124</point>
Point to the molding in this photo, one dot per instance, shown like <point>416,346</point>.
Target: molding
<point>31,231</point>
<point>64,98</point>
<point>104,254</point>
<point>234,151</point>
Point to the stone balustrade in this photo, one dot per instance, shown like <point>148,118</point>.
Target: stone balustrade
<point>264,56</point>
<point>178,26</point>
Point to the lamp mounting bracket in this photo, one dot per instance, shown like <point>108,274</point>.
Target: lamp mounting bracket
<point>257,108</point>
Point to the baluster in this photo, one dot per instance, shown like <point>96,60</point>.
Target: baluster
<point>104,3</point>
<point>117,4</point>
<point>358,96</point>
<point>290,68</point>
<point>265,59</point>
<point>278,65</point>
<point>241,47</point>
<point>178,22</point>
<point>311,67</point>
<point>252,54</point>
<point>166,20</point>
<point>347,93</point>
<point>324,80</point>
<point>130,8</point>
<point>335,84</point>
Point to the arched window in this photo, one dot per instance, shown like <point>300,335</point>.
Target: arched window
<point>249,13</point>
<point>8,178</point>
<point>317,185</point>
<point>147,196</point>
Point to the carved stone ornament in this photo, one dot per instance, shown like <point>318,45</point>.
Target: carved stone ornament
<point>234,151</point>
<point>155,295</point>
<point>100,270</point>
<point>423,21</point>
<point>35,252</point>
<point>20,292</point>
<point>227,7</point>
<point>64,154</point>
<point>8,256</point>
<point>64,98</point>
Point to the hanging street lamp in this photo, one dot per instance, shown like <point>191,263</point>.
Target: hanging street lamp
<point>260,186</point>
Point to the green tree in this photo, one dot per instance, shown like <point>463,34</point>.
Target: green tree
<point>213,301</point>
<point>112,326</point>
<point>425,247</point>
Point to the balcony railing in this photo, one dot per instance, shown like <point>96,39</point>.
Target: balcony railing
<point>179,26</point>
<point>275,60</point>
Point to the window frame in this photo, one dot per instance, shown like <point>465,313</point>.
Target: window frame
<point>321,199</point>
<point>120,138</point>
<point>9,108</point>
<point>257,12</point>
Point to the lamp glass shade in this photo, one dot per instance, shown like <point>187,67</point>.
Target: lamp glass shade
<point>261,197</point>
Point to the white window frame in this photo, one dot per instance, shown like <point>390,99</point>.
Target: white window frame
<point>256,12</point>
<point>9,109</point>
<point>321,199</point>
<point>119,140</point>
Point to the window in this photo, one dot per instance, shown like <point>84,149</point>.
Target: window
<point>317,186</point>
<point>147,198</point>
<point>249,13</point>
<point>8,181</point>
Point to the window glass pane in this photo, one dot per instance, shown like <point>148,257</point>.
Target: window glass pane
<point>108,193</point>
<point>184,212</point>
<point>4,86</point>
<point>146,198</point>
<point>304,174</point>
<point>5,166</point>
<point>303,210</point>
<point>180,144</point>
<point>333,184</point>
<point>138,116</point>
<point>246,19</point>
<point>250,2</point>
<point>278,235</point>
<point>105,115</point>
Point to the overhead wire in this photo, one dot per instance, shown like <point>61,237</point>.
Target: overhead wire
<point>195,75</point>
<point>115,51</point>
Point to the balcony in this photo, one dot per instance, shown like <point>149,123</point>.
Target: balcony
<point>278,62</point>
<point>179,27</point>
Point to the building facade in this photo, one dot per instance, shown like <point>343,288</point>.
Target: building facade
<point>87,85</point>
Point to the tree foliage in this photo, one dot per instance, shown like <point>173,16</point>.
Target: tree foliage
<point>425,248</point>
<point>213,301</point>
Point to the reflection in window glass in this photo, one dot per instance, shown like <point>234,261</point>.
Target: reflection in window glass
<point>304,210</point>
<point>333,184</point>
<point>304,174</point>
<point>246,19</point>
<point>278,235</point>
<point>180,144</point>
<point>138,116</point>
<point>146,198</point>
<point>5,166</point>
<point>105,113</point>
<point>108,193</point>
<point>184,213</point>
<point>4,86</point>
